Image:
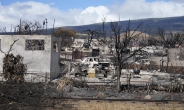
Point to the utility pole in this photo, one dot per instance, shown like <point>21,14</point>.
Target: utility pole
<point>46,25</point>
<point>20,27</point>
<point>53,25</point>
<point>11,30</point>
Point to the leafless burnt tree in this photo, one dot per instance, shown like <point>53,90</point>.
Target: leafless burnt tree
<point>28,27</point>
<point>122,43</point>
<point>103,28</point>
<point>170,40</point>
<point>91,34</point>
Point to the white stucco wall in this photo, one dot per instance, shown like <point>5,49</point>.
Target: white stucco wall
<point>38,61</point>
<point>55,58</point>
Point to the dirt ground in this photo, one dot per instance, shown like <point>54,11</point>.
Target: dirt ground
<point>30,96</point>
<point>105,105</point>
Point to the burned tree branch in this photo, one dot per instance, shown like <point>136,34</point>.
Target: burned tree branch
<point>11,46</point>
<point>10,49</point>
<point>122,44</point>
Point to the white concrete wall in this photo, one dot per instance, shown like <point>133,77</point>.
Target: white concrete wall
<point>172,53</point>
<point>158,58</point>
<point>55,58</point>
<point>38,61</point>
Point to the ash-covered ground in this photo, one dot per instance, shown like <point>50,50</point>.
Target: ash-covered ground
<point>49,96</point>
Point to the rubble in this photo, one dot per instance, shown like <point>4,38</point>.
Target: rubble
<point>96,82</point>
<point>147,97</point>
<point>147,79</point>
<point>101,95</point>
<point>146,84</point>
<point>154,92</point>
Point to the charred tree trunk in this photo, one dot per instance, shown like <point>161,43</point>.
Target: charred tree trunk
<point>118,78</point>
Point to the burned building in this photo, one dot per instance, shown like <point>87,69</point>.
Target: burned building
<point>40,52</point>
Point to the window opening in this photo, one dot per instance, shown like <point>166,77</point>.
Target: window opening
<point>55,46</point>
<point>34,44</point>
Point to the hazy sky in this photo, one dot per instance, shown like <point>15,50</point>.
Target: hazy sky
<point>81,12</point>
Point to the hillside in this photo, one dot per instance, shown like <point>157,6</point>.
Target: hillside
<point>168,23</point>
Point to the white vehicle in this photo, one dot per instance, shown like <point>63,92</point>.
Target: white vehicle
<point>143,61</point>
<point>90,61</point>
